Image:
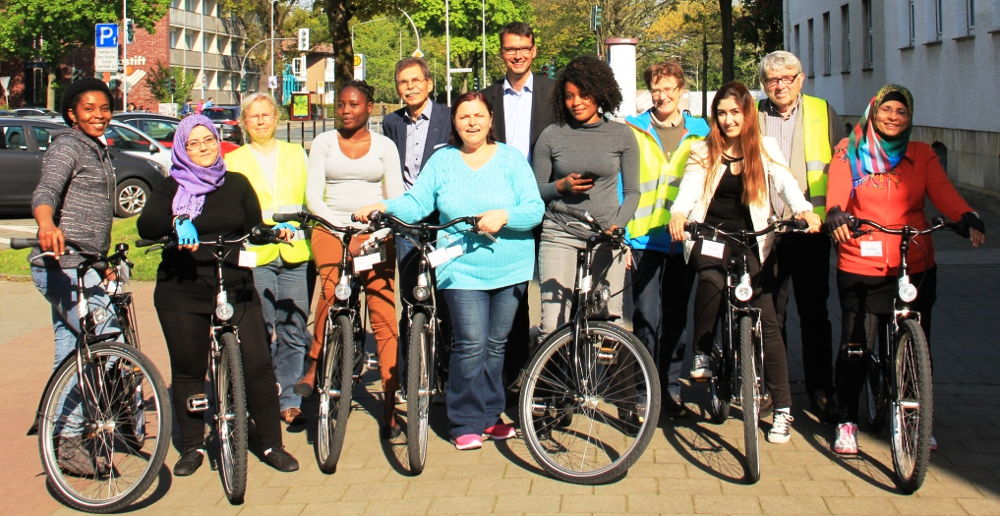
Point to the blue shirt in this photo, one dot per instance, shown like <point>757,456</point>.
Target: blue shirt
<point>455,190</point>
<point>517,115</point>
<point>416,139</point>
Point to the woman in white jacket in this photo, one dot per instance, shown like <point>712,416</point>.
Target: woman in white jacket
<point>730,181</point>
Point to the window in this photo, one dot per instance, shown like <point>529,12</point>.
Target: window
<point>827,51</point>
<point>798,47</point>
<point>175,36</point>
<point>189,40</point>
<point>970,17</point>
<point>189,5</point>
<point>938,20</point>
<point>911,23</point>
<point>162,131</point>
<point>42,138</point>
<point>845,38</point>
<point>13,138</point>
<point>868,55</point>
<point>125,139</point>
<point>812,48</point>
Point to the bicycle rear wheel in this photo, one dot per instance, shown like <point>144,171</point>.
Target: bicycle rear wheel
<point>720,385</point>
<point>749,398</point>
<point>88,446</point>
<point>912,409</point>
<point>419,379</point>
<point>231,419</point>
<point>589,409</point>
<point>334,388</point>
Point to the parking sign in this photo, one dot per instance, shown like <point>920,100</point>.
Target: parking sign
<point>106,35</point>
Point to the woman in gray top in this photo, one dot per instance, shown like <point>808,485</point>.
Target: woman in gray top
<point>586,162</point>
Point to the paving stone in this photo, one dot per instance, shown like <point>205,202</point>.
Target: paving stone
<point>916,505</point>
<point>477,504</point>
<point>663,503</point>
<point>532,503</point>
<point>816,487</point>
<point>375,491</point>
<point>793,504</point>
<point>980,505</point>
<point>853,505</point>
<point>284,509</point>
<point>727,504</point>
<point>595,503</point>
<point>329,508</point>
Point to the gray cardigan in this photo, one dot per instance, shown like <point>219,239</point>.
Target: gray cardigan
<point>78,181</point>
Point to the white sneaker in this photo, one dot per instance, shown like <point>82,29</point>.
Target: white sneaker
<point>701,366</point>
<point>781,428</point>
<point>847,439</point>
<point>933,444</point>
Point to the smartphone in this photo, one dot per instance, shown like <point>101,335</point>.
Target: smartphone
<point>588,175</point>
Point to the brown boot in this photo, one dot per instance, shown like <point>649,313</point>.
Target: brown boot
<point>307,384</point>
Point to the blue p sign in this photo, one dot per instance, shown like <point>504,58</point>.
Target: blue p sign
<point>106,35</point>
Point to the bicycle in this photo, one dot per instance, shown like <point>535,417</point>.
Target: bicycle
<point>590,395</point>
<point>342,361</point>
<point>425,369</point>
<point>227,402</point>
<point>104,418</point>
<point>738,359</point>
<point>898,382</point>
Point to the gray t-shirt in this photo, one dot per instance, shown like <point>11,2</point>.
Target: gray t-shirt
<point>604,149</point>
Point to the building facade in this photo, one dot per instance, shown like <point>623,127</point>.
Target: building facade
<point>945,51</point>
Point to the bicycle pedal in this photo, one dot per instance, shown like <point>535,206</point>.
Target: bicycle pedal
<point>606,356</point>
<point>854,352</point>
<point>197,403</point>
<point>371,361</point>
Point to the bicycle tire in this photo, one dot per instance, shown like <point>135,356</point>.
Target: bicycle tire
<point>720,385</point>
<point>875,390</point>
<point>591,425</point>
<point>231,419</point>
<point>100,469</point>
<point>912,408</point>
<point>334,388</point>
<point>419,379</point>
<point>749,399</point>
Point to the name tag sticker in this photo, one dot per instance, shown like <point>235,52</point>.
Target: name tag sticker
<point>712,249</point>
<point>366,261</point>
<point>444,255</point>
<point>248,259</point>
<point>871,248</point>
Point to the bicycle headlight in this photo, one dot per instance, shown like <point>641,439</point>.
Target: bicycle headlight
<point>224,311</point>
<point>907,291</point>
<point>421,292</point>
<point>743,291</point>
<point>342,292</point>
<point>600,297</point>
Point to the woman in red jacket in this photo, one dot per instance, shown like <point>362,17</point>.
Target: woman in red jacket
<point>878,174</point>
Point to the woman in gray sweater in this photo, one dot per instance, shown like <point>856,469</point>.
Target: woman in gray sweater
<point>583,160</point>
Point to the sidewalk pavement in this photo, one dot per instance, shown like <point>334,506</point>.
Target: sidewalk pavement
<point>691,466</point>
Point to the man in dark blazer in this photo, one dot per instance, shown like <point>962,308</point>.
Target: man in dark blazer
<point>522,108</point>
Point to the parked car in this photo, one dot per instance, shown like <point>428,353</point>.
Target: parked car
<point>37,111</point>
<point>227,121</point>
<point>132,141</point>
<point>162,128</point>
<point>23,141</point>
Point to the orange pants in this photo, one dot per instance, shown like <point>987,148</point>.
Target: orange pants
<point>379,295</point>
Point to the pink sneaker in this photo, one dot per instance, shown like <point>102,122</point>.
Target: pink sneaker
<point>468,442</point>
<point>847,439</point>
<point>500,432</point>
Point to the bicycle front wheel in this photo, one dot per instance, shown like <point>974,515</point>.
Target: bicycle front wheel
<point>875,390</point>
<point>589,408</point>
<point>334,387</point>
<point>720,385</point>
<point>419,372</point>
<point>749,398</point>
<point>912,409</point>
<point>231,419</point>
<point>87,436</point>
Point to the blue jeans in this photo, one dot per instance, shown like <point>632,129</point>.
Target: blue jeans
<point>480,320</point>
<point>284,301</point>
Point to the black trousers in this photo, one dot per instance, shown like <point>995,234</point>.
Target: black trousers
<point>802,264</point>
<point>187,336</point>
<point>709,302</point>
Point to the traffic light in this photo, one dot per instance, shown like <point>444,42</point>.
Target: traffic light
<point>243,84</point>
<point>113,84</point>
<point>77,74</point>
<point>303,40</point>
<point>129,30</point>
<point>551,71</point>
<point>596,13</point>
<point>173,85</point>
<point>475,82</point>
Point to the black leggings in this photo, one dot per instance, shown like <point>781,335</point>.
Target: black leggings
<point>708,303</point>
<point>187,342</point>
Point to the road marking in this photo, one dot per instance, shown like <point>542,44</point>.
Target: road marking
<point>26,229</point>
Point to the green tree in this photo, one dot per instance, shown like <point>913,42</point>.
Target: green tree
<point>759,24</point>
<point>159,78</point>
<point>339,14</point>
<point>561,31</point>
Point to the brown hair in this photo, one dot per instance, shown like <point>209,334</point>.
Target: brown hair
<point>456,139</point>
<point>664,69</point>
<point>407,62</point>
<point>518,29</point>
<point>749,144</point>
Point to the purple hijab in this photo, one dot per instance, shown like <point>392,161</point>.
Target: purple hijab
<point>193,181</point>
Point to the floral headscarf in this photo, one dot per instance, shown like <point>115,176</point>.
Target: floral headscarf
<point>869,152</point>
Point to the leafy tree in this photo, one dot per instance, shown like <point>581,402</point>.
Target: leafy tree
<point>338,16</point>
<point>159,77</point>
<point>629,18</point>
<point>760,24</point>
<point>562,30</point>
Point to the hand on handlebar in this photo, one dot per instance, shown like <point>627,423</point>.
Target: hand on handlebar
<point>489,222</point>
<point>51,238</point>
<point>976,229</point>
<point>363,214</point>
<point>676,227</point>
<point>284,231</point>
<point>187,234</point>
<point>812,219</point>
<point>838,224</point>
<point>574,183</point>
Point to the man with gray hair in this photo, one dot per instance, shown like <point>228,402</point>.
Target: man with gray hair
<point>277,172</point>
<point>807,129</point>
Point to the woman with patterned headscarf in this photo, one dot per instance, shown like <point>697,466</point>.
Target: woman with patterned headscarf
<point>879,174</point>
<point>202,201</point>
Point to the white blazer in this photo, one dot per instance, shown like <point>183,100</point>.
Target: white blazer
<point>693,198</point>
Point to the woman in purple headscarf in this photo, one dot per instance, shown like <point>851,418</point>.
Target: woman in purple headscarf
<point>201,201</point>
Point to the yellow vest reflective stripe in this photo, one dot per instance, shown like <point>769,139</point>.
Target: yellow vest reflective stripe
<point>659,182</point>
<point>289,195</point>
<point>816,137</point>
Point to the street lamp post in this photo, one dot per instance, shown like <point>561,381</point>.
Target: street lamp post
<point>447,51</point>
<point>483,81</point>
<point>271,37</point>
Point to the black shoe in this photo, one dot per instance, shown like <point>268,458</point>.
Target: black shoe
<point>824,407</point>
<point>189,462</point>
<point>389,432</point>
<point>280,460</point>
<point>674,408</point>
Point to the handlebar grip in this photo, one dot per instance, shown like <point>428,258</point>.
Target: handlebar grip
<point>146,242</point>
<point>23,243</point>
<point>286,217</point>
<point>691,227</point>
<point>800,224</point>
<point>582,215</point>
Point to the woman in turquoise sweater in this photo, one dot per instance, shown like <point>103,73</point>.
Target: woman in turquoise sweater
<point>482,287</point>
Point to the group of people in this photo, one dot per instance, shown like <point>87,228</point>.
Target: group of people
<point>506,156</point>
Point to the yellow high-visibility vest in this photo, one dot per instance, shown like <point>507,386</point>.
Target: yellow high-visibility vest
<point>816,140</point>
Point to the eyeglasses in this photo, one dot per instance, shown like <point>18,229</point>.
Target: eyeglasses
<point>262,117</point>
<point>510,51</point>
<point>665,91</point>
<point>786,80</point>
<point>411,82</point>
<point>208,142</point>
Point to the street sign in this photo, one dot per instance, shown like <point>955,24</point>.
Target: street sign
<point>360,67</point>
<point>272,81</point>
<point>357,60</point>
<point>418,53</point>
<point>106,35</point>
<point>106,59</point>
<point>303,40</point>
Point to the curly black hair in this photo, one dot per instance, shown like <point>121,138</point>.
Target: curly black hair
<point>73,93</point>
<point>594,78</point>
<point>366,89</point>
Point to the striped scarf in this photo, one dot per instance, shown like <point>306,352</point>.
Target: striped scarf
<point>870,153</point>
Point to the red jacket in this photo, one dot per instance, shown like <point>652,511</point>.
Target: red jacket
<point>893,201</point>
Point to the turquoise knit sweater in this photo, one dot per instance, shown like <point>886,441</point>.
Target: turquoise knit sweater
<point>448,185</point>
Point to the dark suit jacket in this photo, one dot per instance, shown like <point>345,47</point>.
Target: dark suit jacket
<point>394,127</point>
<point>541,108</point>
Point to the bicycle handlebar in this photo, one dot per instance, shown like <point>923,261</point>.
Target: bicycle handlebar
<point>120,254</point>
<point>741,236</point>
<point>260,233</point>
<point>588,219</point>
<point>939,222</point>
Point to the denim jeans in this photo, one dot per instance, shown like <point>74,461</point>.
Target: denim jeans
<point>59,288</point>
<point>480,323</point>
<point>284,300</point>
